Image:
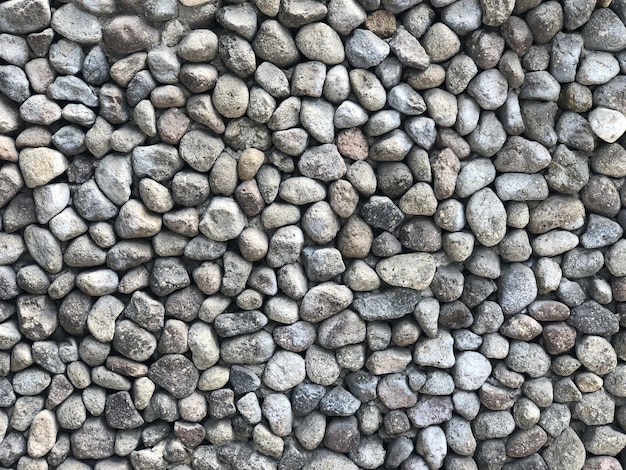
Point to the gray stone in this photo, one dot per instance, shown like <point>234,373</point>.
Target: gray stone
<point>527,358</point>
<point>23,16</point>
<point>486,216</point>
<point>274,44</point>
<point>592,318</point>
<point>489,89</point>
<point>368,89</point>
<point>320,42</point>
<point>364,49</point>
<point>253,348</point>
<point>126,34</point>
<point>604,31</point>
<point>408,50</point>
<point>176,374</point>
<point>159,162</point>
<point>70,88</point>
<point>567,450</point>
<point>14,83</point>
<point>317,118</point>
<point>322,163</point>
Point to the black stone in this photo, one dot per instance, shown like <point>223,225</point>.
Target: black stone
<point>455,315</point>
<point>243,380</point>
<point>155,433</point>
<point>399,450</point>
<point>221,403</point>
<point>121,413</point>
<point>81,169</point>
<point>342,435</point>
<point>381,212</point>
<point>491,454</point>
<point>534,462</point>
<point>339,402</point>
<point>476,289</point>
<point>293,457</point>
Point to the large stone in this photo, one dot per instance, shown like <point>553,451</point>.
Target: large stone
<point>42,434</point>
<point>255,348</point>
<point>24,16</point>
<point>604,31</point>
<point>41,165</point>
<point>557,212</point>
<point>44,248</point>
<point>76,24</point>
<point>518,288</point>
<point>159,162</point>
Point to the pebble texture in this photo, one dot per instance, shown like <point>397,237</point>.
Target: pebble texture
<point>312,235</point>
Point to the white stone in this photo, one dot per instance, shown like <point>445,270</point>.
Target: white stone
<point>607,124</point>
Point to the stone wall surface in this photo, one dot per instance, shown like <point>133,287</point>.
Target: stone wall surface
<point>317,235</point>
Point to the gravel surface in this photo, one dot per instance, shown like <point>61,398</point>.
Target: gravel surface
<point>317,235</point>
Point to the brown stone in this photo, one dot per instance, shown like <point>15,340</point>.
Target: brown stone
<point>517,35</point>
<point>496,398</point>
<point>342,435</point>
<point>455,315</point>
<point>126,367</point>
<point>352,143</point>
<point>126,34</point>
<point>445,166</point>
<point>8,151</point>
<point>249,198</point>
<point>521,327</point>
<point>548,310</point>
<point>382,23</point>
<point>172,125</point>
<point>559,337</point>
<point>190,434</point>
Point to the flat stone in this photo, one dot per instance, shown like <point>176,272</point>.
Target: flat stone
<point>24,16</point>
<point>76,24</point>
<point>594,319</point>
<point>388,305</point>
<point>254,348</point>
<point>400,270</point>
<point>126,34</point>
<point>94,440</point>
